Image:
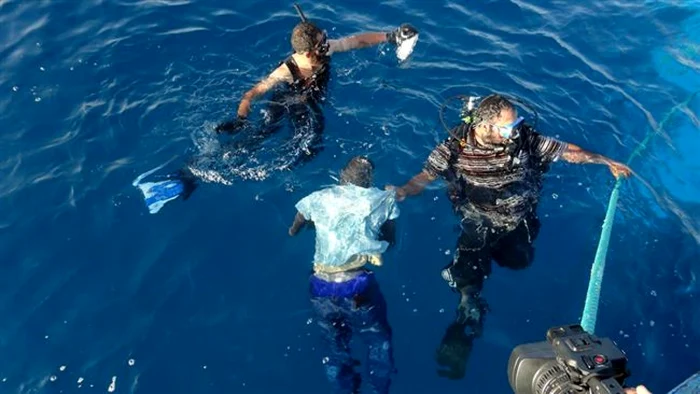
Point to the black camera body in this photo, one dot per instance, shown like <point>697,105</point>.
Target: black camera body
<point>571,361</point>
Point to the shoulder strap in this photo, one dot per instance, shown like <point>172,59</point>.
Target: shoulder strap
<point>293,68</point>
<point>455,142</point>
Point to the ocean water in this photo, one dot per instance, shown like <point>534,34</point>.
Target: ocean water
<point>210,295</point>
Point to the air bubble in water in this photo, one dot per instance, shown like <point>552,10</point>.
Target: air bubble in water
<point>62,368</point>
<point>80,380</point>
<point>52,378</point>
<point>15,88</point>
<point>442,310</point>
<point>447,252</point>
<point>651,323</point>
<point>309,321</point>
<point>131,362</point>
<point>555,196</point>
<point>653,293</point>
<point>37,99</point>
<point>113,385</point>
<point>42,69</point>
<point>325,360</point>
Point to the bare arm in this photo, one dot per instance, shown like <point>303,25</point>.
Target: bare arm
<point>357,41</point>
<point>414,186</point>
<point>299,222</point>
<point>281,74</point>
<point>364,40</point>
<point>576,154</point>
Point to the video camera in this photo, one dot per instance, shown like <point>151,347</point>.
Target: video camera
<point>571,361</point>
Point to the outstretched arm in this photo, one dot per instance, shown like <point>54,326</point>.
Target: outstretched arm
<point>364,40</point>
<point>414,186</point>
<point>575,154</point>
<point>281,74</point>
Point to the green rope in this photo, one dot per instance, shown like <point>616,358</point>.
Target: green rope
<point>590,309</point>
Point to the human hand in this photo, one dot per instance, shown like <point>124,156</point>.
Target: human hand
<point>637,390</point>
<point>400,193</point>
<point>402,33</point>
<point>619,169</point>
<point>244,108</point>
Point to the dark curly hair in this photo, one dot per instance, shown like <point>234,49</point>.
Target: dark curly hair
<point>305,37</point>
<point>490,108</point>
<point>359,172</point>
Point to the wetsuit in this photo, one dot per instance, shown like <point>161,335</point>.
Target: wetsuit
<point>301,102</point>
<point>495,191</point>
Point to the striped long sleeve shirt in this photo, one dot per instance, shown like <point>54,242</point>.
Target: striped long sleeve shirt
<point>502,183</point>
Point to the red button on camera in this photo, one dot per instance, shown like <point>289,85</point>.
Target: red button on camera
<point>599,359</point>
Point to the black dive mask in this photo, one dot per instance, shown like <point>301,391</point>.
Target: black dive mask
<point>323,45</point>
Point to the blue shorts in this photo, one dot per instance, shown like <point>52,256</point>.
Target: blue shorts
<point>348,289</point>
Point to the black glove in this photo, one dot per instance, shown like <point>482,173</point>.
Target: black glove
<point>402,33</point>
<point>231,126</point>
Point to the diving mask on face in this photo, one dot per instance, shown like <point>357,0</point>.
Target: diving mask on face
<point>323,46</point>
<point>510,131</point>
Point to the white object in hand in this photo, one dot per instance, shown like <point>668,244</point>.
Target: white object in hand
<point>404,50</point>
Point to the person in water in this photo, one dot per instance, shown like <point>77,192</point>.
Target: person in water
<point>298,87</point>
<point>354,224</point>
<point>493,164</point>
<point>300,81</point>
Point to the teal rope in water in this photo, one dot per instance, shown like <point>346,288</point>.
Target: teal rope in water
<point>590,309</point>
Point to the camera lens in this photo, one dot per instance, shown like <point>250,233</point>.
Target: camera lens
<point>554,380</point>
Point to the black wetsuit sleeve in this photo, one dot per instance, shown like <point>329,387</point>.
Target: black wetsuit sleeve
<point>439,160</point>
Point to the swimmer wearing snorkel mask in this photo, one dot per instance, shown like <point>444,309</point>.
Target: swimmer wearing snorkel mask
<point>298,86</point>
<point>493,163</point>
<point>301,79</point>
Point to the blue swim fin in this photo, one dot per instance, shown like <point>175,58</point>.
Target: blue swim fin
<point>157,194</point>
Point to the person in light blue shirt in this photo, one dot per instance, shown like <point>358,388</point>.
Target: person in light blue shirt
<point>354,224</point>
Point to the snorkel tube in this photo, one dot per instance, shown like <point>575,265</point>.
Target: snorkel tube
<point>300,12</point>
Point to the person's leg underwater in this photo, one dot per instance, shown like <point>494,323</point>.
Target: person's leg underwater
<point>333,315</point>
<point>370,321</point>
<point>465,274</point>
<point>307,123</point>
<point>515,249</point>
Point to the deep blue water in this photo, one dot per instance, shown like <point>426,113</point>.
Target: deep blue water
<point>210,295</point>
